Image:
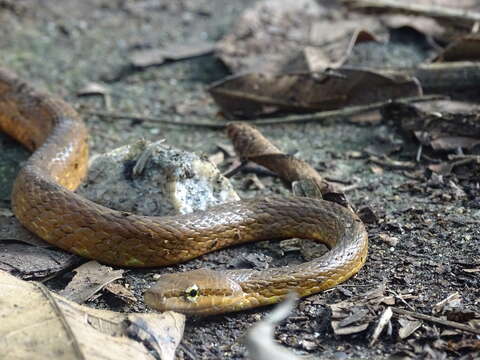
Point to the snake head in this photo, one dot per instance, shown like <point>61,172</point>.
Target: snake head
<point>197,292</point>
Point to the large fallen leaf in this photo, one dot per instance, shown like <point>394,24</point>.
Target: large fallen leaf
<point>269,34</point>
<point>256,94</point>
<point>38,324</point>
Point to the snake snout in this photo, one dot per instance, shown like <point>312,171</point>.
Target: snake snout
<point>199,292</point>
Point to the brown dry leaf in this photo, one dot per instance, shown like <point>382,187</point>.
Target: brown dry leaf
<point>465,344</point>
<point>441,131</point>
<point>250,144</point>
<point>316,59</point>
<point>462,13</point>
<point>267,33</point>
<point>274,36</point>
<point>172,52</point>
<point>36,321</point>
<point>355,315</point>
<point>90,278</point>
<point>259,94</point>
<point>445,168</point>
<point>27,261</point>
<point>121,292</point>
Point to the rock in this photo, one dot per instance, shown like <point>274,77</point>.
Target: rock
<point>156,180</point>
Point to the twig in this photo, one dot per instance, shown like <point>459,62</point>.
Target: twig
<point>436,320</point>
<point>303,118</point>
<point>455,75</point>
<point>459,16</point>
<point>345,112</point>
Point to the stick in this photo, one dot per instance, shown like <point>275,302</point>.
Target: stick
<point>302,118</point>
<point>462,16</point>
<point>436,320</point>
<point>345,112</point>
<point>455,75</point>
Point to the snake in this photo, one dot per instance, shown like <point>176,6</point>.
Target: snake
<point>43,200</point>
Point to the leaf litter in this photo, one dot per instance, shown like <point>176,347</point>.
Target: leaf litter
<point>436,158</point>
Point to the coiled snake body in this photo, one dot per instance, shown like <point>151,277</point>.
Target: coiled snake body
<point>44,202</point>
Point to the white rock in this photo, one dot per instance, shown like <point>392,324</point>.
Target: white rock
<point>155,179</point>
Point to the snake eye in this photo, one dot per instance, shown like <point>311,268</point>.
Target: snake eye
<point>192,293</point>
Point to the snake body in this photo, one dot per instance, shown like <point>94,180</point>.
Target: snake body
<point>44,202</point>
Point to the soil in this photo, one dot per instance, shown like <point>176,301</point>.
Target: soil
<point>64,45</point>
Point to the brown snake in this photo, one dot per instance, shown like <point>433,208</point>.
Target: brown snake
<point>44,202</point>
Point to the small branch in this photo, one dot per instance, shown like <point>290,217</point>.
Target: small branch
<point>302,118</point>
<point>345,112</point>
<point>458,16</point>
<point>436,320</point>
<point>449,76</point>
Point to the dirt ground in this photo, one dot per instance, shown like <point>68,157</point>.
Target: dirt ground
<point>64,45</point>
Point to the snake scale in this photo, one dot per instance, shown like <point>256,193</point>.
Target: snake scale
<point>44,202</point>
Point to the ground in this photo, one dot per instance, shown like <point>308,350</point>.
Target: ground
<point>64,45</point>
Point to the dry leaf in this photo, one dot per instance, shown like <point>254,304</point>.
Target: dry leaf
<point>36,321</point>
<point>259,94</point>
<point>441,131</point>
<point>90,278</point>
<point>272,35</point>
<point>408,327</point>
<point>121,292</point>
<point>29,262</point>
<point>250,144</point>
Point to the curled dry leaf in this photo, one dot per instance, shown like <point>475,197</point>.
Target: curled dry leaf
<point>36,321</point>
<point>250,144</point>
<point>259,94</point>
